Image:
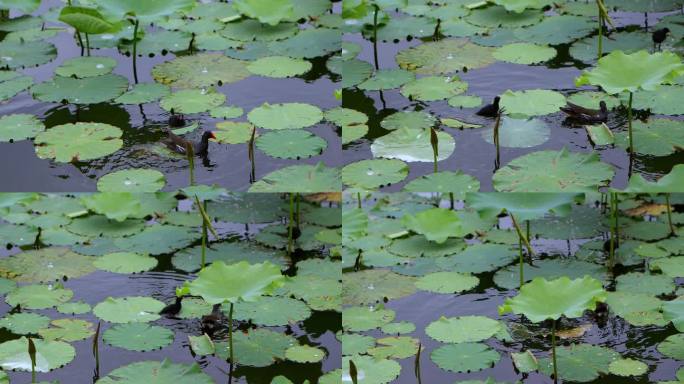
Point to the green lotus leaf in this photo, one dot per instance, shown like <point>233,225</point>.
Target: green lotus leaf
<point>444,57</point>
<point>463,329</point>
<point>192,100</point>
<point>146,11</point>
<point>26,54</point>
<point>457,183</point>
<point>321,294</point>
<point>138,336</point>
<point>543,299</point>
<point>249,281</point>
<point>673,346</point>
<point>396,347</point>
<point>132,180</point>
<point>68,330</point>
<point>415,246</point>
<point>562,171</point>
<point>201,345</point>
<point>533,102</point>
<point>304,354</point>
<point>46,264</point>
<point>408,120</point>
<point>664,100</point>
<point>398,328</point>
<point>24,323</point>
<point>50,355</point>
<point>657,137</point>
<point>279,66</point>
<point>580,362</point>
<point>12,86</point>
<point>160,371</point>
<point>353,72</point>
<point>248,30</point>
<point>285,116</point>
<point>158,239</point>
<point>670,266</point>
<point>354,343</point>
<point>371,174</point>
<point>464,357</point>
<point>371,286</point>
<point>400,28</point>
<point>100,226</point>
<point>300,178</point>
<point>78,142</point>
<point>233,132</point>
<point>387,79</point>
<point>38,296</point>
<point>637,282</point>
<point>17,234</point>
<point>257,348</point>
<point>464,101</point>
<point>88,66</point>
<point>19,127</point>
<point>433,88</point>
<point>519,133</point>
<point>556,30</point>
<point>25,6</point>
<point>525,361</point>
<point>200,71</point>
<point>360,319</point>
<point>519,6</point>
<point>131,309</point>
<point>144,93</point>
<point>619,72</point>
<point>479,258</point>
<point>412,145</point>
<point>89,90</point>
<point>308,43</point>
<point>672,182</point>
<point>436,224</point>
<point>291,144</point>
<point>600,134</point>
<point>523,206</point>
<point>499,17</point>
<point>509,277</point>
<point>270,13</point>
<point>524,53</point>
<point>115,205</point>
<point>343,117</point>
<point>158,42</point>
<point>272,311</point>
<point>86,20</point>
<point>447,282</point>
<point>591,99</point>
<point>646,231</point>
<point>125,262</point>
<point>74,308</point>
<point>371,370</point>
<point>226,112</point>
<point>627,367</point>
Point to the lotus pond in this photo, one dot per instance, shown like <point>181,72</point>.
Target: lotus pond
<point>417,72</point>
<point>431,288</point>
<point>85,277</point>
<point>82,98</point>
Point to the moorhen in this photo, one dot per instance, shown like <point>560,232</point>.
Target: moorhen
<point>172,310</point>
<point>586,115</point>
<point>176,120</point>
<point>490,110</point>
<point>659,36</point>
<point>178,144</point>
<point>210,323</point>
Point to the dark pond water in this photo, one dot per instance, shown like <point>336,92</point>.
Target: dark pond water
<point>228,165</point>
<point>473,155</point>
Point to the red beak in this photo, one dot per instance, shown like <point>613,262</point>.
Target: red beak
<point>212,135</point>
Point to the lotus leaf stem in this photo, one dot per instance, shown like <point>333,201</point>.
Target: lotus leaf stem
<point>600,29</point>
<point>416,366</point>
<point>32,355</point>
<point>669,213</point>
<point>87,44</point>
<point>522,267</point>
<point>451,200</point>
<point>434,142</point>
<point>96,349</point>
<point>524,239</point>
<point>250,154</point>
<point>204,237</point>
<point>629,117</point>
<point>613,228</point>
<point>358,198</point>
<point>375,35</point>
<point>290,226</point>
<point>135,50</point>
<point>553,350</point>
<point>80,42</point>
<point>298,210</point>
<point>230,336</point>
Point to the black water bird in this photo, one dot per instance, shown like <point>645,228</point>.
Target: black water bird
<point>179,144</point>
<point>211,322</point>
<point>172,310</point>
<point>586,115</point>
<point>176,120</point>
<point>659,36</point>
<point>490,110</point>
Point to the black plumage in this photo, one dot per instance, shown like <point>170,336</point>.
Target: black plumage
<point>490,110</point>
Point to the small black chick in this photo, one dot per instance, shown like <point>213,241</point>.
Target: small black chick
<point>172,310</point>
<point>490,110</point>
<point>210,323</point>
<point>586,115</point>
<point>176,120</point>
<point>659,36</point>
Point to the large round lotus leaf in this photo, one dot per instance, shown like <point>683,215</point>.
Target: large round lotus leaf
<point>354,343</point>
<point>623,303</point>
<point>189,260</point>
<point>300,178</point>
<point>233,132</point>
<point>17,234</point>
<point>291,144</point>
<point>447,282</point>
<point>582,223</point>
<point>375,285</point>
<point>21,54</point>
<point>158,42</point>
<point>272,311</point>
<point>132,180</point>
<point>387,79</point>
<point>478,258</point>
<point>533,102</point>
<point>304,354</point>
<point>157,372</point>
<point>98,225</point>
<point>400,28</point>
<point>664,100</point>
<point>38,296</point>
<point>250,281</point>
<point>670,266</point>
<point>138,336</point>
<point>23,323</point>
<point>268,13</point>
<point>148,11</point>
<point>360,319</point>
<point>132,309</point>
<point>644,5</point>
<point>543,299</point>
<point>417,246</point>
<point>370,370</point>
<point>413,145</point>
<point>509,277</point>
<point>320,294</point>
<point>249,208</point>
<point>114,205</point>
<point>87,66</point>
<point>344,116</point>
<point>78,142</point>
<point>6,286</point>
<point>445,56</point>
<point>400,327</point>
<point>279,66</point>
<point>524,207</point>
<point>494,17</point>
<point>627,367</point>
<point>199,71</point>
<point>309,43</point>
<point>673,346</point>
<point>557,30</point>
<point>636,282</point>
<point>647,231</point>
<point>580,362</point>
<point>409,120</point>
<point>433,88</point>
<point>25,6</point>
<point>68,330</point>
<point>465,101</point>
<point>519,133</point>
<point>457,183</point>
<point>465,357</point>
<point>252,30</point>
<point>463,329</point>
<point>620,72</point>
<point>518,6</point>
<point>672,182</point>
<point>524,53</point>
<point>158,239</point>
<point>396,347</point>
<point>46,264</point>
<point>562,171</point>
<point>192,100</point>
<point>257,348</point>
<point>11,87</point>
<point>226,112</point>
<point>436,224</point>
<point>371,174</point>
<point>285,116</point>
<point>143,93</point>
<point>125,262</point>
<point>50,355</point>
<point>90,90</point>
<point>19,127</point>
<point>657,137</point>
<point>628,42</point>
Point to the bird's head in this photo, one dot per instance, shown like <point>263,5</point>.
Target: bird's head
<point>209,135</point>
<point>603,106</point>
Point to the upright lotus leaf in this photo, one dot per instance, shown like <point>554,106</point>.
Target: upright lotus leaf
<point>50,355</point>
<point>199,71</point>
<point>147,11</point>
<point>519,6</point>
<point>672,182</point>
<point>269,12</point>
<point>524,206</point>
<point>87,20</point>
<point>436,224</point>
<point>115,205</point>
<point>157,372</point>
<point>247,281</point>
<point>542,299</point>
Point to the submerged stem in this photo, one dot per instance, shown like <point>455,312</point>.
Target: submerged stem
<point>451,200</point>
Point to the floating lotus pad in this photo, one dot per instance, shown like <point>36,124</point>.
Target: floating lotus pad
<point>445,57</point>
<point>49,355</point>
<point>87,66</point>
<point>372,174</point>
<point>580,362</point>
<point>201,70</point>
<point>499,17</point>
<point>627,367</point>
<point>360,319</point>
<point>226,112</point>
<point>279,66</point>
<point>353,72</point>
<point>657,137</point>
<point>524,53</point>
<point>479,258</point>
<point>591,99</point>
<point>19,127</point>
<point>132,180</point>
<point>664,100</point>
<point>144,93</point>
<point>89,90</point>
<point>26,54</point>
<point>24,323</point>
<point>408,119</point>
<point>300,178</point>
<point>46,264</point>
<point>115,206</point>
<point>271,13</point>
<point>38,296</point>
<point>464,357</point>
<point>627,42</point>
<point>11,85</point>
<point>533,102</point>
<point>519,133</point>
<point>436,224</point>
<point>272,311</point>
<point>192,100</point>
<point>412,145</point>
<point>138,336</point>
<point>161,371</point>
<point>68,330</point>
<point>158,239</point>
<point>304,354</point>
<point>556,30</point>
<point>463,101</point>
<point>257,348</point>
<point>157,42</point>
<point>291,144</point>
<point>387,79</point>
<point>447,282</point>
<point>78,142</point>
<point>433,88</point>
<point>233,132</point>
<point>457,183</point>
<point>376,371</point>
<point>463,329</point>
<point>371,286</point>
<point>125,262</point>
<point>285,116</point>
<point>130,309</point>
<point>309,43</point>
<point>74,308</point>
<point>509,277</point>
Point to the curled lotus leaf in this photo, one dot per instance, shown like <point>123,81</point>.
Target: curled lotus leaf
<point>145,11</point>
<point>249,281</point>
<point>518,6</point>
<point>271,12</point>
<point>436,224</point>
